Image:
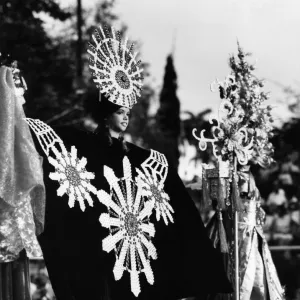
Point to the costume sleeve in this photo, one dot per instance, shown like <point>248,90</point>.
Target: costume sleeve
<point>61,241</point>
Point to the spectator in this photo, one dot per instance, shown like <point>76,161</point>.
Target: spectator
<point>281,227</point>
<point>269,219</point>
<point>277,197</point>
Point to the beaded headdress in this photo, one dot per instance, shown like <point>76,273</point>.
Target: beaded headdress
<point>114,67</point>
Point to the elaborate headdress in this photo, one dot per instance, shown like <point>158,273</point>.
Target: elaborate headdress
<point>115,68</point>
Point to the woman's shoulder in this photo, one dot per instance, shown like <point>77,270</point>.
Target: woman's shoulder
<point>70,136</point>
<point>134,151</point>
<point>134,147</point>
<point>139,155</point>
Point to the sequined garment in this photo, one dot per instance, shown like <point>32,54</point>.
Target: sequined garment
<point>22,193</point>
<point>17,232</point>
<point>258,276</point>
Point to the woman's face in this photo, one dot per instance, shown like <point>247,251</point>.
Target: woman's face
<point>118,121</point>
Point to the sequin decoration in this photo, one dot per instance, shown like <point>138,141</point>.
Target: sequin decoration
<point>18,231</point>
<point>70,171</point>
<point>130,230</point>
<point>256,268</point>
<point>114,67</point>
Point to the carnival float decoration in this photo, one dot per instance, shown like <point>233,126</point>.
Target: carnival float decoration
<point>240,138</point>
<point>22,192</point>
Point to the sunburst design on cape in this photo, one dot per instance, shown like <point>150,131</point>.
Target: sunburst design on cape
<point>130,230</point>
<point>153,189</point>
<point>70,171</point>
<point>74,179</point>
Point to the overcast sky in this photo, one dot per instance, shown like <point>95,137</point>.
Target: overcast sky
<point>205,33</point>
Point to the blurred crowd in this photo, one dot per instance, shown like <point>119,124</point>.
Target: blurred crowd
<point>282,207</point>
<point>40,285</point>
<point>282,226</point>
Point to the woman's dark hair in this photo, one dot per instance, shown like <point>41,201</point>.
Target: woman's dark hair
<point>100,111</point>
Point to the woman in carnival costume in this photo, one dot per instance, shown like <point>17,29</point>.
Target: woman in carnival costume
<point>22,195</point>
<point>119,223</point>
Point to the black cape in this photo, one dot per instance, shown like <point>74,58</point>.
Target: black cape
<point>187,264</point>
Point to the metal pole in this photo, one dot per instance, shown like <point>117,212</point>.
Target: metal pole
<point>236,255</point>
<point>236,244</point>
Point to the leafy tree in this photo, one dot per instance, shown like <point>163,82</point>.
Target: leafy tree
<point>48,62</point>
<point>22,35</point>
<point>140,121</point>
<point>287,150</point>
<point>84,91</point>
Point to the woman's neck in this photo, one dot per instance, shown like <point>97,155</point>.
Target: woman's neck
<point>114,134</point>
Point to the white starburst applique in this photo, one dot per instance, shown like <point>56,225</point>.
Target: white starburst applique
<point>153,189</point>
<point>70,171</point>
<point>153,175</point>
<point>129,226</point>
<point>74,179</point>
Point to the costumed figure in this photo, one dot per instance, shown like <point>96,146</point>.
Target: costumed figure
<point>22,194</point>
<point>240,138</point>
<point>258,276</point>
<point>119,223</point>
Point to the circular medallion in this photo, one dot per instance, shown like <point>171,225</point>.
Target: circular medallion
<point>73,176</point>
<point>131,224</point>
<point>122,79</point>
